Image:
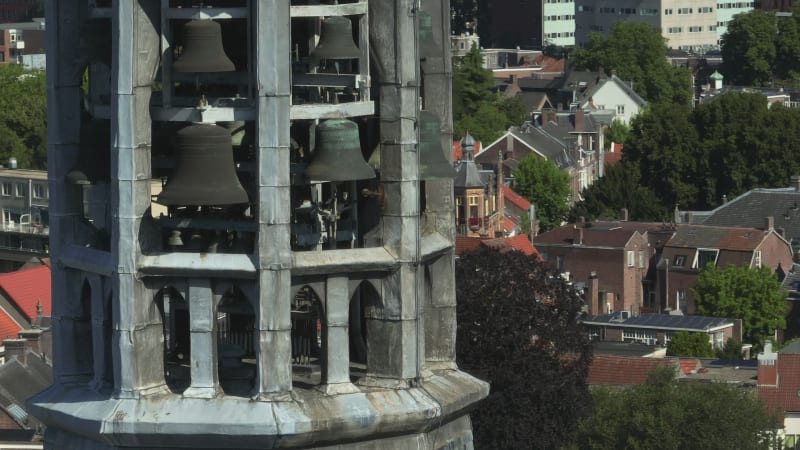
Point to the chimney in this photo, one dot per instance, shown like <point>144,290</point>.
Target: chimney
<point>592,294</point>
<point>767,366</point>
<point>579,120</point>
<point>15,348</point>
<point>501,203</point>
<point>795,182</point>
<point>769,223</point>
<point>31,338</point>
<point>724,199</point>
<point>623,213</point>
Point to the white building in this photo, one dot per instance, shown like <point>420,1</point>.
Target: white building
<point>686,24</point>
<point>726,9</point>
<point>558,22</point>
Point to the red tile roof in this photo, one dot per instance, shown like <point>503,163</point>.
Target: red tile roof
<point>9,328</point>
<point>515,199</point>
<point>457,149</point>
<point>612,158</point>
<point>616,370</point>
<point>467,243</point>
<point>604,236</point>
<point>785,396</point>
<point>26,288</point>
<point>522,243</point>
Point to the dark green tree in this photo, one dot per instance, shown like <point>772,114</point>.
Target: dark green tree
<point>694,345</point>
<point>638,53</point>
<point>518,330</point>
<point>748,48</point>
<point>664,143</point>
<point>23,116</point>
<point>620,187</point>
<point>787,46</point>
<point>547,187</point>
<point>477,108</point>
<point>737,292</point>
<point>731,350</point>
<point>665,414</point>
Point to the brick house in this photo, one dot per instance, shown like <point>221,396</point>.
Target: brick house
<point>779,387</point>
<point>692,247</point>
<point>616,255</point>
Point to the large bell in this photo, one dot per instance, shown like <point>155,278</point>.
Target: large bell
<point>205,174</point>
<point>336,40</point>
<point>202,49</point>
<point>338,153</point>
<point>94,156</point>
<point>432,162</point>
<point>427,45</point>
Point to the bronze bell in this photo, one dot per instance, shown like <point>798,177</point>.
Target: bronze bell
<point>205,174</point>
<point>427,46</point>
<point>338,153</point>
<point>432,162</point>
<point>202,49</point>
<point>94,156</point>
<point>336,40</point>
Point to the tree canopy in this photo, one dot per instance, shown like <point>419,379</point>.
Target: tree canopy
<point>684,343</point>
<point>666,414</point>
<point>638,53</point>
<point>619,188</point>
<point>477,108</point>
<point>737,292</point>
<point>23,116</point>
<point>518,329</point>
<point>748,48</point>
<point>547,187</point>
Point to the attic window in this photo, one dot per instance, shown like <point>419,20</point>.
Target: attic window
<point>705,256</point>
<point>680,260</point>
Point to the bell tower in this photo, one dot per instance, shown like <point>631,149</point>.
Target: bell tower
<point>229,270</point>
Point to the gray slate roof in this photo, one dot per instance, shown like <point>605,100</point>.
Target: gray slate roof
<point>751,209</point>
<point>468,175</point>
<point>661,322</point>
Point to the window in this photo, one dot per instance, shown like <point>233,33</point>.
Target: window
<point>684,10</point>
<point>681,299</point>
<point>631,258</point>
<point>642,336</point>
<point>695,29</point>
<point>38,191</point>
<point>642,257</point>
<point>705,256</point>
<point>680,260</point>
<point>620,110</point>
<point>757,259</point>
<point>668,12</point>
<point>560,263</point>
<point>674,30</point>
<point>20,189</point>
<point>6,189</point>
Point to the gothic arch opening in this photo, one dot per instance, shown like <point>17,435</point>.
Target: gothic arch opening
<point>364,297</point>
<point>83,333</point>
<point>307,337</point>
<point>174,313</point>
<point>236,356</point>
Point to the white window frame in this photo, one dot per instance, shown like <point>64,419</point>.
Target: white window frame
<point>757,259</point>
<point>39,191</point>
<point>631,258</point>
<point>6,189</point>
<point>696,262</point>
<point>642,257</point>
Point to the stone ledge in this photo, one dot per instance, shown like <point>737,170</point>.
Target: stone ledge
<point>312,418</point>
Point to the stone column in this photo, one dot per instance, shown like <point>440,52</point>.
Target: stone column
<point>203,359</point>
<point>137,334</point>
<point>271,23</point>
<point>336,348</point>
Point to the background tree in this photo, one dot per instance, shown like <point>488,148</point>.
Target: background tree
<point>748,48</point>
<point>638,53</point>
<point>666,414</point>
<point>617,132</point>
<point>620,187</point>
<point>548,188</point>
<point>731,350</point>
<point>663,143</point>
<point>23,116</point>
<point>517,329</point>
<point>738,292</point>
<point>477,107</point>
<point>695,345</point>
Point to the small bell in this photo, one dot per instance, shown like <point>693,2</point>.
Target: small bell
<point>336,40</point>
<point>202,49</point>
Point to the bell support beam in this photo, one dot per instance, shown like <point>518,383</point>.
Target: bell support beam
<point>440,307</point>
<point>273,252</point>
